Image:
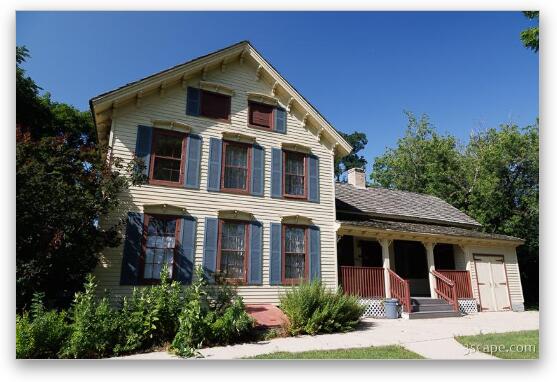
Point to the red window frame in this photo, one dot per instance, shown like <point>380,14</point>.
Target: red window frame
<point>225,145</point>
<point>204,105</point>
<point>252,104</point>
<point>289,281</point>
<point>156,134</point>
<point>285,153</point>
<point>238,281</point>
<point>147,218</point>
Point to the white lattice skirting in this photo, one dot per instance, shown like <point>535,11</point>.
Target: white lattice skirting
<point>373,307</point>
<point>468,306</point>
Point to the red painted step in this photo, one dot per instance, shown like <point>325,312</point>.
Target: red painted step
<point>266,315</point>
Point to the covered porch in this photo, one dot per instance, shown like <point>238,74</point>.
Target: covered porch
<point>378,264</point>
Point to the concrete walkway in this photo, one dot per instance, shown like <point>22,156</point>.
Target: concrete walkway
<point>432,338</point>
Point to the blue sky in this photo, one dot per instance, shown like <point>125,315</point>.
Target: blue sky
<point>466,70</point>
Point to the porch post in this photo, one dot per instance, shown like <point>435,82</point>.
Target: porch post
<point>430,267</point>
<point>386,265</point>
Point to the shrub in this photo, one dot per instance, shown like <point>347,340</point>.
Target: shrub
<point>94,325</point>
<point>41,334</point>
<point>212,315</point>
<point>312,309</point>
<point>232,325</point>
<point>150,317</point>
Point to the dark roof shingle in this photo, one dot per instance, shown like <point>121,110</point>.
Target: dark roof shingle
<point>426,228</point>
<point>399,205</point>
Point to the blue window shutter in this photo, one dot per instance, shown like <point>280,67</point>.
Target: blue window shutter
<point>276,173</point>
<point>210,247</point>
<point>143,145</point>
<point>313,194</point>
<point>215,158</point>
<point>186,251</point>
<point>255,275</point>
<point>132,249</point>
<point>280,120</point>
<point>276,254</point>
<point>193,161</point>
<point>314,253</point>
<point>193,101</point>
<point>257,170</point>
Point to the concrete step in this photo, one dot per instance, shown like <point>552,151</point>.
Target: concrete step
<point>433,314</point>
<point>427,301</point>
<point>431,307</point>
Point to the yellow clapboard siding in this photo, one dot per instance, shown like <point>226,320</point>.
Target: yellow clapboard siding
<point>201,203</point>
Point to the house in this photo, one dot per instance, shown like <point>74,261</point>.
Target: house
<point>240,181</point>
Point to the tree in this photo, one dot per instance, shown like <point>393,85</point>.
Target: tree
<point>531,36</point>
<point>494,179</point>
<point>358,141</point>
<point>424,162</point>
<point>63,187</point>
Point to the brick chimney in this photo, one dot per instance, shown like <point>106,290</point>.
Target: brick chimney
<point>357,177</point>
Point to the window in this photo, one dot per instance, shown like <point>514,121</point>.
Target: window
<point>215,105</point>
<point>294,175</point>
<point>167,157</point>
<point>160,246</point>
<point>294,253</point>
<point>236,165</point>
<point>260,115</point>
<point>232,257</point>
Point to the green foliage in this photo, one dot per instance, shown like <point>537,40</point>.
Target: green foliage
<point>232,325</point>
<point>494,179</point>
<point>212,315</point>
<point>94,325</point>
<point>40,333</point>
<point>63,187</point>
<point>150,317</point>
<point>531,36</point>
<point>191,317</point>
<point>358,141</point>
<point>312,309</point>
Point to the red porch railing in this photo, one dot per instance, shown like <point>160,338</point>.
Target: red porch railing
<point>362,281</point>
<point>462,282</point>
<point>400,289</point>
<point>446,289</point>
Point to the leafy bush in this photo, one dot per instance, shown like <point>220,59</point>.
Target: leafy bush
<point>212,315</point>
<point>312,309</point>
<point>232,325</point>
<point>94,325</point>
<point>41,334</point>
<point>196,316</point>
<point>150,317</point>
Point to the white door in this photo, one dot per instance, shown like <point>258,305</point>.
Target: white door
<point>492,283</point>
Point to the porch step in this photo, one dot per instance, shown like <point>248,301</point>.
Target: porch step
<point>433,314</point>
<point>425,307</point>
<point>425,304</point>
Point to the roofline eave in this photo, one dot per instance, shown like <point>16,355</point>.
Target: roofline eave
<point>427,237</point>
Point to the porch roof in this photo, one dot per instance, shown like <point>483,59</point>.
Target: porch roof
<point>399,205</point>
<point>426,230</point>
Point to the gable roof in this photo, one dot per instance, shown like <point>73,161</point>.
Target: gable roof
<point>103,104</point>
<point>399,205</point>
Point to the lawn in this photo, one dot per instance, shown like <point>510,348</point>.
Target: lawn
<point>513,345</point>
<point>379,352</point>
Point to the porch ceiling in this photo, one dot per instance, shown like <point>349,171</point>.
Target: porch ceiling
<point>423,232</point>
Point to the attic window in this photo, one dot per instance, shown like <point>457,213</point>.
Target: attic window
<point>208,104</point>
<point>261,115</point>
<point>215,105</point>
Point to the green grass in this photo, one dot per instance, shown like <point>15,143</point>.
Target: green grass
<point>379,352</point>
<point>505,345</point>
